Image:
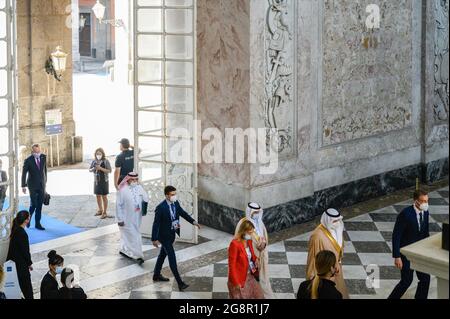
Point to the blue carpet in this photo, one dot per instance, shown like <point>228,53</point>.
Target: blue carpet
<point>53,228</point>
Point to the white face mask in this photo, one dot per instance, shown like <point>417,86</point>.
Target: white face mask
<point>248,237</point>
<point>173,199</point>
<point>424,207</point>
<point>59,270</point>
<point>134,184</point>
<point>99,157</point>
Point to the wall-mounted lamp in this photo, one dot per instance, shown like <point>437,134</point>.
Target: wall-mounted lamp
<point>56,64</point>
<point>99,11</point>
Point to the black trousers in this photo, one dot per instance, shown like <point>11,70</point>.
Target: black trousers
<point>24,276</point>
<point>36,200</point>
<point>423,286</point>
<point>167,251</point>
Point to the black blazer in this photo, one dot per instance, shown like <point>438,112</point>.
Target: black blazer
<point>327,290</point>
<point>162,225</point>
<point>32,177</point>
<point>19,250</point>
<point>406,230</point>
<point>72,293</point>
<point>49,287</point>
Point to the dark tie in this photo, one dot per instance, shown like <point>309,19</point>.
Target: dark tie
<point>421,221</point>
<point>38,163</point>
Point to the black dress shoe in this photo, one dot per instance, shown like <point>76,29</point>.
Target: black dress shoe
<point>183,286</point>
<point>39,227</point>
<point>140,261</point>
<point>125,255</point>
<point>160,278</point>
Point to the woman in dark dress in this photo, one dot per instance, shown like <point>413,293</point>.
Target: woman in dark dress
<point>19,252</point>
<point>49,284</point>
<point>69,291</point>
<point>321,286</point>
<point>101,168</point>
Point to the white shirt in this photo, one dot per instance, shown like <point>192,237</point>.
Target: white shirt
<point>418,212</point>
<point>249,257</point>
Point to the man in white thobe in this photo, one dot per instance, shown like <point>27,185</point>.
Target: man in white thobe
<point>129,202</point>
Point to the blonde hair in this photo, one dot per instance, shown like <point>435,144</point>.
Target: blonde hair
<point>245,226</point>
<point>325,260</point>
<point>2,275</point>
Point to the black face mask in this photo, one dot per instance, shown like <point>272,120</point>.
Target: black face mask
<point>333,274</point>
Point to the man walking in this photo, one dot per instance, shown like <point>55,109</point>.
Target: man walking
<point>34,177</point>
<point>124,162</point>
<point>165,226</point>
<point>412,225</point>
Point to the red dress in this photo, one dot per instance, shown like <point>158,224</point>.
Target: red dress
<point>239,273</point>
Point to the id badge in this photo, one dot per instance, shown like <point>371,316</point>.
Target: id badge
<point>252,267</point>
<point>175,224</point>
<point>137,208</point>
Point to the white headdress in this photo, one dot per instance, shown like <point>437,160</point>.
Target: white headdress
<point>333,221</point>
<point>257,219</point>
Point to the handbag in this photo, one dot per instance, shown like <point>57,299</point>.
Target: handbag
<point>144,208</point>
<point>46,199</point>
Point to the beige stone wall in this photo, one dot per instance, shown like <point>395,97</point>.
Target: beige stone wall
<point>41,26</point>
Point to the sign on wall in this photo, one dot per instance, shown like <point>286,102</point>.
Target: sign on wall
<point>53,122</point>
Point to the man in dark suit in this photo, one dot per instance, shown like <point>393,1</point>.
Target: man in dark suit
<point>34,176</point>
<point>3,188</point>
<point>165,226</point>
<point>412,225</point>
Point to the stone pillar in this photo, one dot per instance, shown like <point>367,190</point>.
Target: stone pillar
<point>41,26</point>
<point>76,58</point>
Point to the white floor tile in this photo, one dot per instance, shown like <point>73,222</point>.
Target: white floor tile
<point>297,258</point>
<point>365,236</point>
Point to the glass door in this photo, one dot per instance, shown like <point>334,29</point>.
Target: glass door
<point>165,104</point>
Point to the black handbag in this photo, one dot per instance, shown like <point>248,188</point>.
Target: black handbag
<point>144,208</point>
<point>46,199</point>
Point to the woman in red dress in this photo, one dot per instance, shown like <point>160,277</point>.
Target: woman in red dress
<point>243,266</point>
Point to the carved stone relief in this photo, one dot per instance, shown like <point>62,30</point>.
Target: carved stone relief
<point>366,89</point>
<point>441,88</point>
<point>280,85</point>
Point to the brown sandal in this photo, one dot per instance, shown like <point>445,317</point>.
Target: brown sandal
<point>99,213</point>
<point>104,216</point>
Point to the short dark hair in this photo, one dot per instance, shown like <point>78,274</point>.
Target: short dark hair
<point>418,193</point>
<point>169,189</point>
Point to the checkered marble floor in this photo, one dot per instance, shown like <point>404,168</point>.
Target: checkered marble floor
<point>105,274</point>
<point>367,243</point>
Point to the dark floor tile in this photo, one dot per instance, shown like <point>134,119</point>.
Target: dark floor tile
<point>297,271</point>
<point>351,259</point>
<point>371,247</point>
<point>437,202</point>
<point>384,217</point>
<point>220,270</point>
<point>435,228</point>
<point>346,236</point>
<point>150,295</point>
<point>387,235</point>
<point>444,194</point>
<point>196,284</point>
<point>440,218</point>
<point>220,295</point>
<point>277,258</point>
<point>296,246</point>
<point>389,273</point>
<point>359,287</point>
<point>281,285</point>
<point>360,226</point>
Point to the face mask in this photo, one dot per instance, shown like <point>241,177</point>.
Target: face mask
<point>333,273</point>
<point>59,270</point>
<point>424,207</point>
<point>37,154</point>
<point>248,237</point>
<point>99,157</point>
<point>173,199</point>
<point>133,184</point>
